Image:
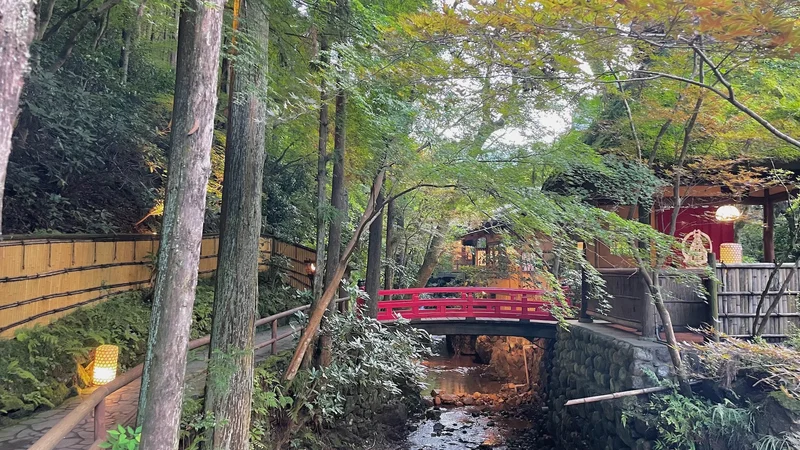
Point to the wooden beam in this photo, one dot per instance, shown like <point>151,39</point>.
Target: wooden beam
<point>769,231</point>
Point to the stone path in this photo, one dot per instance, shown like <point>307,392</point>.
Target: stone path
<point>120,405</point>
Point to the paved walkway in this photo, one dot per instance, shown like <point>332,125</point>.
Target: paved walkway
<point>120,405</point>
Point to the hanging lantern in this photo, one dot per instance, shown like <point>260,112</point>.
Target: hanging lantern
<point>105,364</point>
<point>730,253</point>
<point>728,213</point>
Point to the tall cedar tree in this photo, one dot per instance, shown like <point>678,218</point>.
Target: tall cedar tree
<point>182,229</point>
<point>322,170</point>
<point>17,24</point>
<point>373,281</point>
<point>339,202</point>
<point>229,392</point>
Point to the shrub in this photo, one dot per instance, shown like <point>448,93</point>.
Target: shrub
<point>44,364</point>
<point>374,368</point>
<point>685,423</point>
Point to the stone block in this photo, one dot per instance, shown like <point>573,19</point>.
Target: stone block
<point>642,354</point>
<point>662,353</point>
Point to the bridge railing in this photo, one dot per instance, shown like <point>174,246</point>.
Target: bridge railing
<point>97,400</point>
<point>464,302</point>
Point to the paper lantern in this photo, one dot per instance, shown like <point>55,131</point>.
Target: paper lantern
<point>727,213</point>
<point>105,364</point>
<point>730,253</point>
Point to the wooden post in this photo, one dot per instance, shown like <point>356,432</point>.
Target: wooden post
<point>100,421</point>
<point>274,324</point>
<point>713,297</point>
<point>584,316</point>
<point>648,312</point>
<point>769,229</point>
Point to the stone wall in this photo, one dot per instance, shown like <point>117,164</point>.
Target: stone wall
<point>595,359</point>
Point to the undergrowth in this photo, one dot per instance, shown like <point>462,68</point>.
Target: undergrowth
<point>44,365</point>
<point>373,378</point>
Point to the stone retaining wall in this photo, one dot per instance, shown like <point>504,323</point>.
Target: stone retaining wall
<point>594,359</point>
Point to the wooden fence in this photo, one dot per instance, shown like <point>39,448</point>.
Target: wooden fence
<point>737,299</point>
<point>43,278</point>
<point>740,291</point>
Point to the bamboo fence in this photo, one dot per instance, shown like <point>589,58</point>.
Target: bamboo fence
<point>738,295</point>
<point>43,278</point>
<point>740,289</point>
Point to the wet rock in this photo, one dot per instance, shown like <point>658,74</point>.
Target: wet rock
<point>433,414</point>
<point>449,399</point>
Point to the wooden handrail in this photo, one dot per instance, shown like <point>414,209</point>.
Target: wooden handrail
<point>96,401</point>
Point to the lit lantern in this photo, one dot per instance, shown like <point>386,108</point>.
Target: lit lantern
<point>728,213</point>
<point>105,364</point>
<point>311,268</point>
<point>730,253</point>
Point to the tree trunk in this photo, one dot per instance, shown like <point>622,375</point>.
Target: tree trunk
<point>182,229</point>
<point>339,204</point>
<point>435,249</point>
<point>338,271</point>
<point>45,13</point>
<point>774,304</point>
<point>651,283</point>
<point>374,261</point>
<point>229,392</point>
<point>130,36</point>
<point>322,172</point>
<point>337,185</point>
<point>17,22</point>
<point>72,39</point>
<point>391,245</point>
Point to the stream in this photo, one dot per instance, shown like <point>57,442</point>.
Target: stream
<point>489,422</point>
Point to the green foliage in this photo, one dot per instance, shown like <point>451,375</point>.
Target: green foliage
<point>44,365</point>
<point>123,438</point>
<point>684,423</point>
<point>40,366</point>
<point>373,367</point>
<point>616,181</point>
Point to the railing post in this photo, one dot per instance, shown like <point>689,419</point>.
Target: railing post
<point>713,300</point>
<point>274,348</point>
<point>100,421</point>
<point>524,316</point>
<point>415,305</point>
<point>649,323</point>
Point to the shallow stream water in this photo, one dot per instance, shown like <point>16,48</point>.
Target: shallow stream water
<point>464,427</point>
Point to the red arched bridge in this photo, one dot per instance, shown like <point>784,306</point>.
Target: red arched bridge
<point>471,310</point>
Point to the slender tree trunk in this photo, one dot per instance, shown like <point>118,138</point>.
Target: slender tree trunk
<point>775,300</point>
<point>182,229</point>
<point>17,24</point>
<point>229,389</point>
<point>374,261</point>
<point>72,39</point>
<point>101,30</point>
<point>339,204</point>
<point>337,185</point>
<point>651,283</point>
<point>763,297</point>
<point>130,35</point>
<point>678,166</point>
<point>391,245</point>
<point>338,271</point>
<point>435,249</point>
<point>322,171</point>
<point>45,13</point>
